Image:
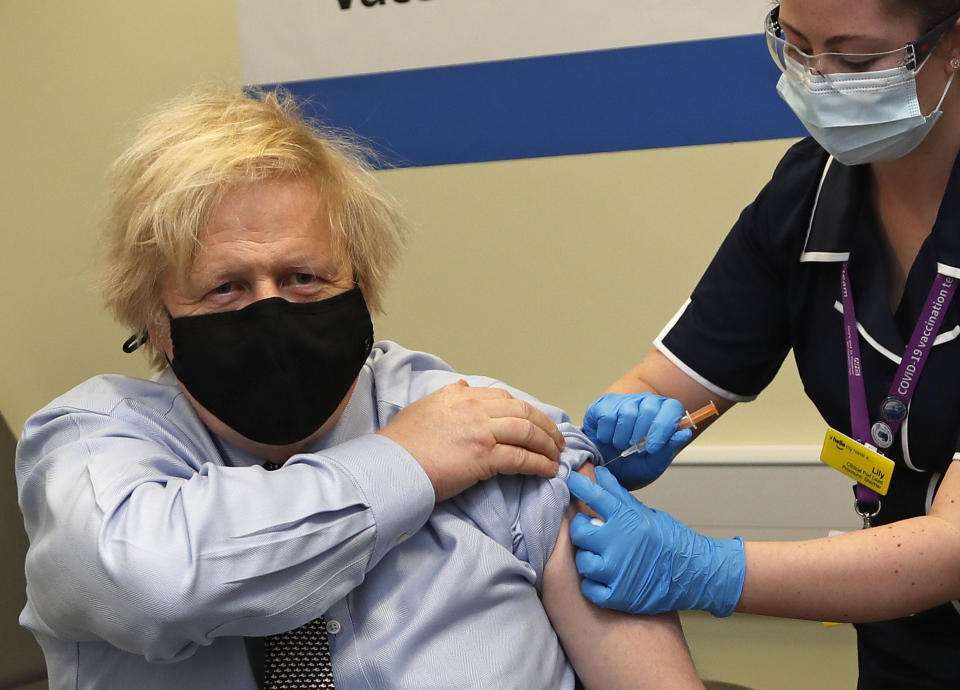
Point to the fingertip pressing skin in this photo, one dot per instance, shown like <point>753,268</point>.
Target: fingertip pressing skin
<point>594,591</point>
<point>604,473</point>
<point>578,484</point>
<point>583,488</point>
<point>580,528</point>
<point>613,492</point>
<point>596,496</point>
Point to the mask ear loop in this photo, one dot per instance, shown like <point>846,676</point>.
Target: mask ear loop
<point>170,331</point>
<point>133,343</point>
<point>949,84</point>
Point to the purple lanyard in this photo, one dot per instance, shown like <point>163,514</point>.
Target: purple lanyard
<point>895,406</point>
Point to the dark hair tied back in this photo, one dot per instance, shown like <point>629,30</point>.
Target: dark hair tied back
<point>929,12</point>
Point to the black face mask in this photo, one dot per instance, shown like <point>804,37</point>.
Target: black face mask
<point>275,370</point>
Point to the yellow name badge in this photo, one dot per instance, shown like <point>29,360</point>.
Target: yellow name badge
<point>858,462</point>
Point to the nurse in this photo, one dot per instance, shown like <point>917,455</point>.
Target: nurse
<point>849,257</point>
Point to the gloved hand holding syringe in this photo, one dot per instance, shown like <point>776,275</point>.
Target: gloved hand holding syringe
<point>687,421</point>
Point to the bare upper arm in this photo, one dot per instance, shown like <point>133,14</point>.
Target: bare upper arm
<point>610,649</point>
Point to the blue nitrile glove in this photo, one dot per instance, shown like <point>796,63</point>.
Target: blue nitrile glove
<point>615,422</point>
<point>643,561</point>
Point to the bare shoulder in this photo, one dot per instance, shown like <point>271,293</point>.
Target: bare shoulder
<point>610,649</point>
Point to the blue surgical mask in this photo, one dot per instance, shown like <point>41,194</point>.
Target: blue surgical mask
<point>863,117</point>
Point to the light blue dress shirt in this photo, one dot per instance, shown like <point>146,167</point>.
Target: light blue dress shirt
<point>155,547</point>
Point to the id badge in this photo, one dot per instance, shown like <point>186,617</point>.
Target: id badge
<point>862,464</point>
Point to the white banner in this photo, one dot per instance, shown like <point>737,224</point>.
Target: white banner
<point>294,40</point>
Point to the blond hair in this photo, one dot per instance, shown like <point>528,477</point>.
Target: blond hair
<point>186,155</point>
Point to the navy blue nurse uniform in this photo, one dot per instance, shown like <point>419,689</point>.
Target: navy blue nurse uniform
<point>774,286</point>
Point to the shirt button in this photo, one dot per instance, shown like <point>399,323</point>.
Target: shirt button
<point>333,627</point>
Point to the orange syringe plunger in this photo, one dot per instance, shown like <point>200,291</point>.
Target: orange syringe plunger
<point>690,419</point>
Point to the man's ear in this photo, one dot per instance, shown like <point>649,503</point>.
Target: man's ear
<point>158,330</point>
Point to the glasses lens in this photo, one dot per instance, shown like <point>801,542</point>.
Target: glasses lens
<point>857,63</point>
<point>777,47</point>
<point>794,62</point>
<point>790,59</point>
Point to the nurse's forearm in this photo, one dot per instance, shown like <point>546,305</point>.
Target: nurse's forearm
<point>869,575</point>
<point>653,372</point>
<point>631,382</point>
<point>657,374</point>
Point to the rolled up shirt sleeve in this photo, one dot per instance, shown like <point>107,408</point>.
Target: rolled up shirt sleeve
<point>140,540</point>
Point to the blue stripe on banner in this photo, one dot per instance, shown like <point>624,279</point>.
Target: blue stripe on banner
<point>676,94</point>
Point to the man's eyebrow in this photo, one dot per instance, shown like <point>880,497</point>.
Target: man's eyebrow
<point>308,259</point>
<point>220,272</point>
<point>327,267</point>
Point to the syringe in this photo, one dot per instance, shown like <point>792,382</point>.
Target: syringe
<point>689,419</point>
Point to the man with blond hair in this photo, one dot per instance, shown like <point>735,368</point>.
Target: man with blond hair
<point>284,484</point>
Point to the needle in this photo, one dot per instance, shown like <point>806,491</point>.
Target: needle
<point>689,419</point>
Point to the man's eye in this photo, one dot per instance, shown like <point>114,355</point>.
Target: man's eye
<point>303,278</point>
<point>224,289</point>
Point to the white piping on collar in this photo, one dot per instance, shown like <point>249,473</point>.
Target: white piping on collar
<point>869,338</point>
<point>947,270</point>
<point>820,256</point>
<point>688,370</point>
<point>824,257</point>
<point>946,337</point>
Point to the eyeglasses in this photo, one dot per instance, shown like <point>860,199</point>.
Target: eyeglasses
<point>791,59</point>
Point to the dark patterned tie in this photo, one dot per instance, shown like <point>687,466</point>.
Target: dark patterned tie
<point>298,659</point>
